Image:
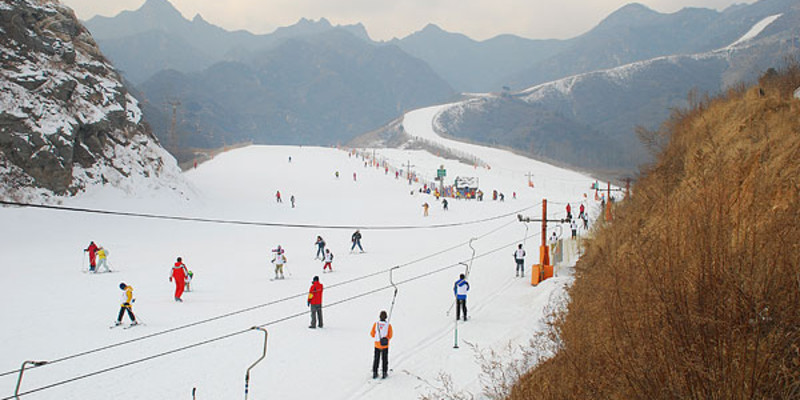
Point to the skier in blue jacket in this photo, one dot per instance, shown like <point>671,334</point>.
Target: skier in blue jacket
<point>460,289</point>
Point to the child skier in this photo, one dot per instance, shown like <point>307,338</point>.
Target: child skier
<point>320,248</point>
<point>127,305</point>
<point>328,260</point>
<point>102,255</point>
<point>279,260</point>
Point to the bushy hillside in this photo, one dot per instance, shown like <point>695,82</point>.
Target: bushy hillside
<point>694,290</point>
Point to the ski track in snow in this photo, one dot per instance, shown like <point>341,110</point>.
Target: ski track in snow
<point>53,310</point>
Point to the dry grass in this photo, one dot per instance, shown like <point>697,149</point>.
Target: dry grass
<point>694,290</point>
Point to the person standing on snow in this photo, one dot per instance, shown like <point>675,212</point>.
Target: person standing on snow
<point>127,305</point>
<point>291,199</point>
<point>356,239</point>
<point>320,248</point>
<point>102,254</point>
<point>382,332</point>
<point>92,249</point>
<point>279,260</point>
<point>574,226</point>
<point>425,207</point>
<point>179,273</point>
<point>580,211</point>
<point>278,197</point>
<point>328,260</point>
<point>444,204</point>
<point>315,302</point>
<point>585,221</point>
<point>460,289</point>
<point>569,211</point>
<point>519,257</point>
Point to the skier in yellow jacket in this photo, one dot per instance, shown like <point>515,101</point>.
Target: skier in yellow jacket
<point>127,304</point>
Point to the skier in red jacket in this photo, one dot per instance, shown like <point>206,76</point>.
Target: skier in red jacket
<point>315,302</point>
<point>179,273</point>
<point>92,249</point>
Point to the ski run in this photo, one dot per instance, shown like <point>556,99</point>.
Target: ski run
<point>54,312</point>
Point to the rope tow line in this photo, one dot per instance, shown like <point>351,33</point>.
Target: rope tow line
<point>254,223</point>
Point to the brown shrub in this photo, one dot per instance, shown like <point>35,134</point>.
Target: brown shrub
<point>694,290</point>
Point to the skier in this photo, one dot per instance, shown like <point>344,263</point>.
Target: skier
<point>444,204</point>
<point>278,196</point>
<point>460,289</point>
<point>320,248</point>
<point>189,277</point>
<point>279,260</point>
<point>127,305</point>
<point>102,254</point>
<point>382,331</point>
<point>354,177</point>
<point>328,260</point>
<point>92,249</point>
<point>179,273</point>
<point>569,211</point>
<point>519,257</point>
<point>502,197</point>
<point>337,174</point>
<point>291,199</point>
<point>574,226</point>
<point>425,207</point>
<point>580,212</point>
<point>315,303</point>
<point>553,244</point>
<point>586,221</point>
<point>356,239</point>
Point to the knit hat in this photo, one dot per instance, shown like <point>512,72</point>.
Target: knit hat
<point>122,285</point>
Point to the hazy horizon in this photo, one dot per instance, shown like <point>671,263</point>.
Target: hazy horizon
<point>538,19</point>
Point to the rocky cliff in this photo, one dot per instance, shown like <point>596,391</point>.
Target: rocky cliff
<point>67,121</point>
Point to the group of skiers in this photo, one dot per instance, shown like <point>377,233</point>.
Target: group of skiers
<point>381,330</point>
<point>278,198</point>
<point>98,258</point>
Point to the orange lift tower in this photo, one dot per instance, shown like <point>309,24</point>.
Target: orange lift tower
<point>543,269</point>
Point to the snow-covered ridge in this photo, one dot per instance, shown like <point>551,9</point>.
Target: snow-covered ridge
<point>620,76</point>
<point>68,121</point>
<point>755,30</point>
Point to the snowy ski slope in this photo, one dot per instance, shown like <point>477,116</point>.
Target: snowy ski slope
<point>53,311</point>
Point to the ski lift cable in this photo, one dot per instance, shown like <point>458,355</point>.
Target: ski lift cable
<point>243,331</point>
<point>256,223</point>
<point>252,308</point>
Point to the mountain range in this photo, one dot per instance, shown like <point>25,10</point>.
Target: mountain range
<point>315,83</point>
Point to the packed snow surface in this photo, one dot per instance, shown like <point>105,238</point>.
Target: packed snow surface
<point>53,310</point>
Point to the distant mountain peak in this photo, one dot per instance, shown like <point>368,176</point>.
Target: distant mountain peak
<point>629,14</point>
<point>432,28</point>
<point>159,7</point>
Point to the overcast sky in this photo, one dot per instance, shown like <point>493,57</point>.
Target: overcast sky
<point>385,19</point>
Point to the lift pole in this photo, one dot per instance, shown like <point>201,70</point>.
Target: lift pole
<point>22,371</point>
<point>263,355</point>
